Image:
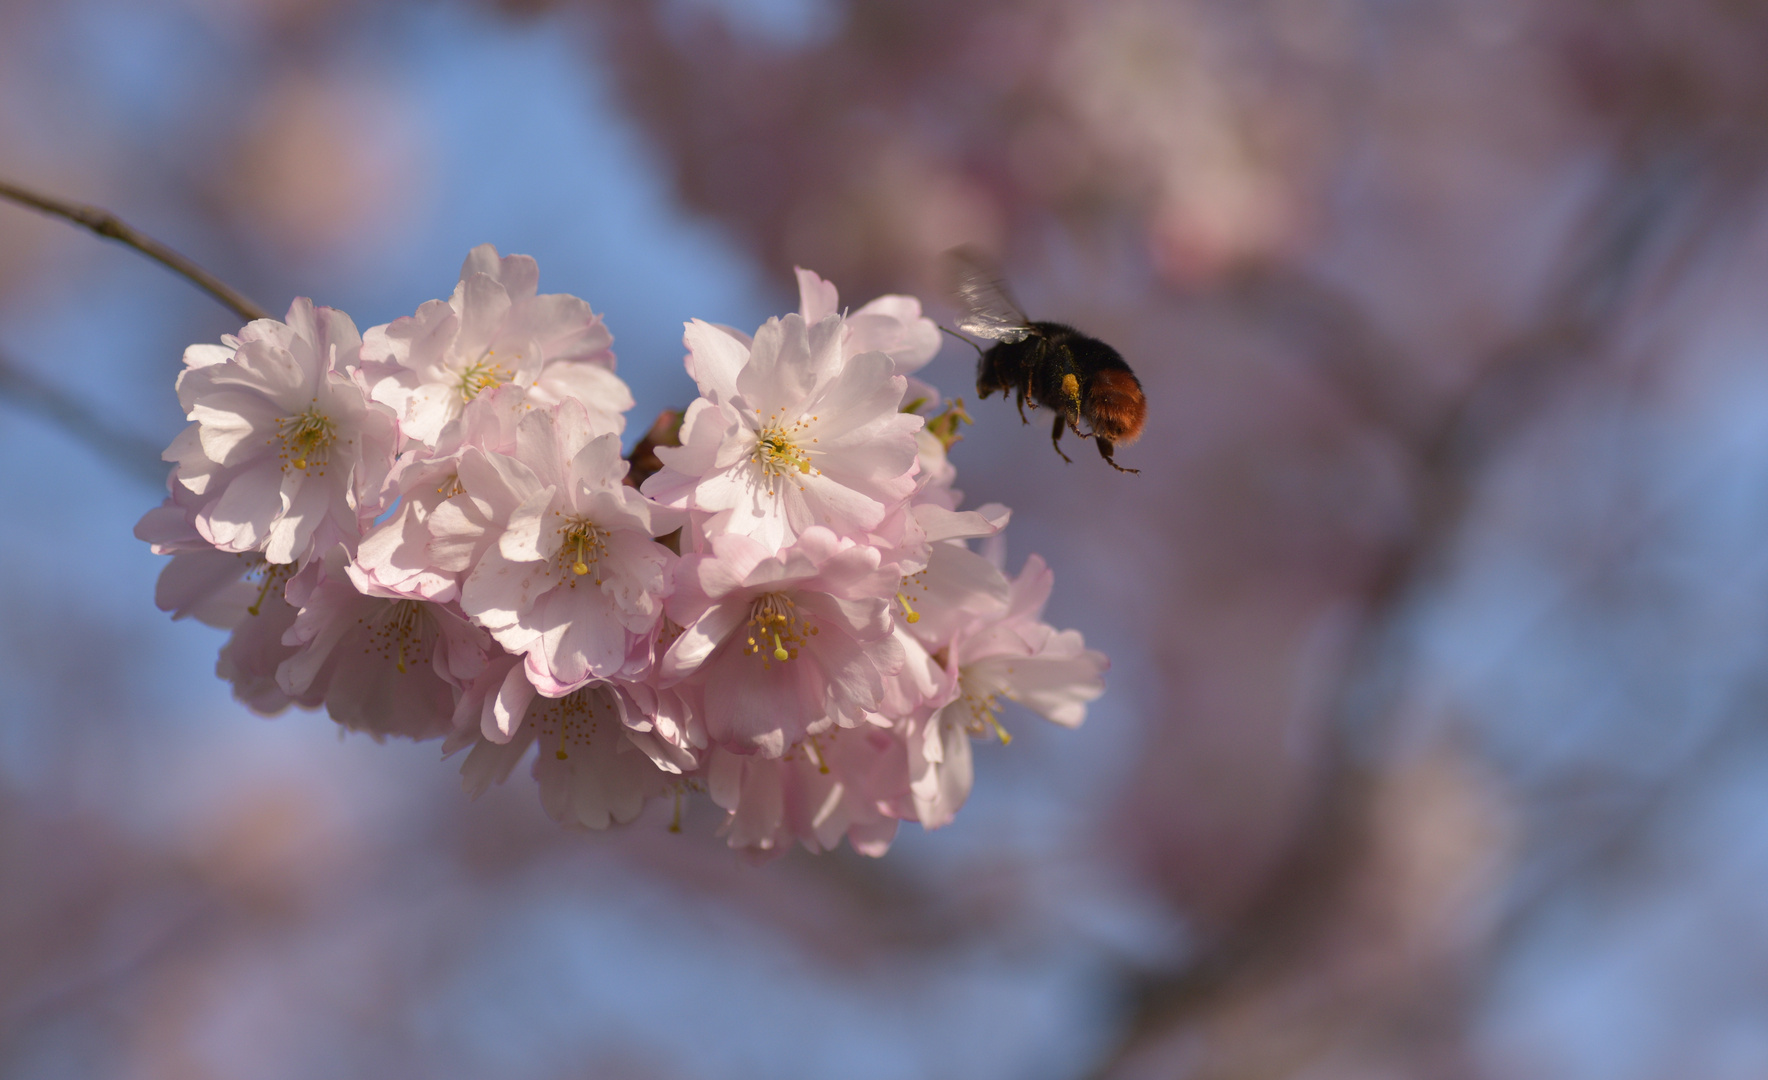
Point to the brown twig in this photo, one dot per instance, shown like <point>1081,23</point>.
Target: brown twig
<point>666,431</point>
<point>106,224</point>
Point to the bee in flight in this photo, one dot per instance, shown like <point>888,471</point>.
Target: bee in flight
<point>1056,366</point>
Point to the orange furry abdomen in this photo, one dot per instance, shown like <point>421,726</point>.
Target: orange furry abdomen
<point>1116,405</point>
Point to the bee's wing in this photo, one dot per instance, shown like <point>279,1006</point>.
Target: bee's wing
<point>985,309</point>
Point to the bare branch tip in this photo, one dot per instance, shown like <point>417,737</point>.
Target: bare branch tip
<point>108,225</point>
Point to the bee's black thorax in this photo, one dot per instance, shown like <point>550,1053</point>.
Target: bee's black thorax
<point>1039,366</point>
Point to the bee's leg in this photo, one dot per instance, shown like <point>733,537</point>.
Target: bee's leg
<point>1021,404</point>
<point>1056,436</point>
<point>1105,449</point>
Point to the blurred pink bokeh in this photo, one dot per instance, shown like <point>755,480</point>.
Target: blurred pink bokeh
<point>1434,740</point>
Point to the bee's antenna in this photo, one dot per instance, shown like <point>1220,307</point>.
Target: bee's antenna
<point>963,339</point>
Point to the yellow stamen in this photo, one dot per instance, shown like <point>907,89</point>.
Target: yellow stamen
<point>400,633</point>
<point>999,730</point>
<point>815,753</point>
<point>582,548</point>
<point>270,577</point>
<point>909,613</point>
<point>306,438</point>
<point>777,449</point>
<point>482,376</point>
<point>776,619</point>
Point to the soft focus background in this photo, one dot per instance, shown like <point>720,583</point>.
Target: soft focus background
<point>1435,741</point>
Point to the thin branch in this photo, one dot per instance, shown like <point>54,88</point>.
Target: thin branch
<point>134,454</point>
<point>106,224</point>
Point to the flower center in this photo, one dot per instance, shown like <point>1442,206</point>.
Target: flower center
<point>398,633</point>
<point>913,583</point>
<point>980,710</point>
<point>573,720</point>
<point>306,439</point>
<point>582,549</point>
<point>273,575</point>
<point>779,450</point>
<point>482,376</point>
<point>776,629</point>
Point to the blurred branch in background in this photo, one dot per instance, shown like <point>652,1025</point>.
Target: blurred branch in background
<point>1283,938</point>
<point>135,455</point>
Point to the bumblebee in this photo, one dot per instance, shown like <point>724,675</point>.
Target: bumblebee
<point>1074,376</point>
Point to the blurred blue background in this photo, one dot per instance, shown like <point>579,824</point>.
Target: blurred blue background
<point>1433,743</point>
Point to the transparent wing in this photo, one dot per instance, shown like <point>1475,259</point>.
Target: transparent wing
<point>984,308</point>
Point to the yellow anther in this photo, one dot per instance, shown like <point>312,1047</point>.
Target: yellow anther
<point>306,437</point>
<point>998,729</point>
<point>482,376</point>
<point>909,613</point>
<point>777,451</point>
<point>583,546</point>
<point>779,626</point>
<point>272,574</point>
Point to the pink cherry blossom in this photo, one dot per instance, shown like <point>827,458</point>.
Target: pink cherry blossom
<point>216,587</point>
<point>843,784</point>
<point>819,662</point>
<point>495,330</point>
<point>171,526</point>
<point>569,575</point>
<point>401,556</point>
<point>891,324</point>
<point>782,646</point>
<point>594,769</point>
<point>1009,655</point>
<point>255,650</point>
<point>285,451</point>
<point>385,665</point>
<point>789,434</point>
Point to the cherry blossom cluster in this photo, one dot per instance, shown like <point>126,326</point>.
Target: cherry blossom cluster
<point>430,529</point>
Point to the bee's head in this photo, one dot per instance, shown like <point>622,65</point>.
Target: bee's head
<point>995,371</point>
